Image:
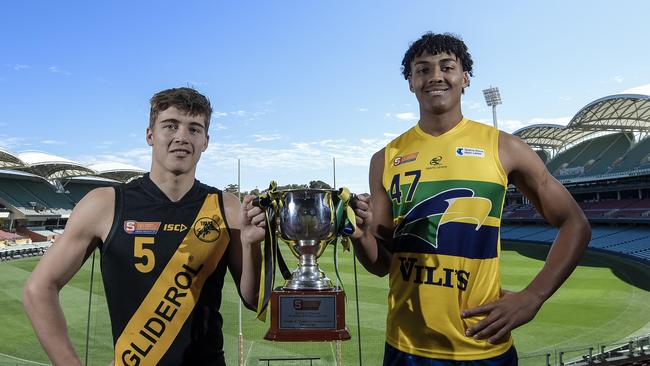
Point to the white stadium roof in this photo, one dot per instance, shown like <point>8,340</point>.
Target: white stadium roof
<point>52,167</point>
<point>117,171</point>
<point>9,160</point>
<point>622,112</point>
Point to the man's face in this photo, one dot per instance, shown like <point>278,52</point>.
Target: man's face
<point>177,140</point>
<point>437,81</point>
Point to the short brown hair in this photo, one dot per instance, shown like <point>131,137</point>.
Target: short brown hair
<point>185,99</point>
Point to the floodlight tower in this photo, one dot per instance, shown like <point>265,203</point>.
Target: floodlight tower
<point>492,98</point>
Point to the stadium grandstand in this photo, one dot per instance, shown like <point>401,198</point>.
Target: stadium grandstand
<point>602,157</point>
<point>38,192</point>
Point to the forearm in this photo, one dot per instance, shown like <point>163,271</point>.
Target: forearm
<point>249,281</point>
<point>372,254</point>
<point>44,311</point>
<point>569,245</point>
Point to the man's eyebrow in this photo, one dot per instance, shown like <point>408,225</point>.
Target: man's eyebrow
<point>449,59</point>
<point>197,124</point>
<point>169,120</point>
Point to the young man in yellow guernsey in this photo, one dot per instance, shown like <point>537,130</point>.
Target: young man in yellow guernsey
<point>432,223</point>
<point>165,241</point>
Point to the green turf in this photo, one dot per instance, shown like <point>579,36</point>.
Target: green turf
<point>605,300</point>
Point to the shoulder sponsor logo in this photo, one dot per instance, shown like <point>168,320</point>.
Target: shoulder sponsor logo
<point>405,159</point>
<point>207,229</point>
<point>470,151</point>
<point>141,227</point>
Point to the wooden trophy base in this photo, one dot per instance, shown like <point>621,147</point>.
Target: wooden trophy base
<point>307,316</point>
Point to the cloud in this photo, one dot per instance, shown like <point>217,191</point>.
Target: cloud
<point>262,138</point>
<point>472,105</point>
<point>565,98</point>
<point>218,127</point>
<point>239,113</point>
<point>56,70</point>
<point>53,142</point>
<point>641,89</point>
<point>13,143</point>
<point>19,67</point>
<point>512,125</point>
<point>103,145</point>
<point>218,114</point>
<point>556,121</point>
<point>616,78</point>
<point>296,157</point>
<point>361,109</point>
<point>140,157</point>
<point>406,116</point>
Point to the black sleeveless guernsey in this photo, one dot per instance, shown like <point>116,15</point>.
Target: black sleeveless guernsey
<point>163,265</point>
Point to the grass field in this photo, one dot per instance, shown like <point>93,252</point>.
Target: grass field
<point>605,300</point>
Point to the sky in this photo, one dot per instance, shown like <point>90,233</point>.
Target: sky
<point>295,84</point>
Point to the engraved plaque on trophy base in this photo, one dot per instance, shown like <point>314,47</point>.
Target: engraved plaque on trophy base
<point>307,316</point>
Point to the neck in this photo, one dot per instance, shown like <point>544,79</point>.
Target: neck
<point>172,185</point>
<point>438,123</point>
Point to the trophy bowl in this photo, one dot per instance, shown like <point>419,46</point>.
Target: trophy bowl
<point>307,223</point>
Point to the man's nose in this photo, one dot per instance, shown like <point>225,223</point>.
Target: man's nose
<point>436,76</point>
<point>182,134</point>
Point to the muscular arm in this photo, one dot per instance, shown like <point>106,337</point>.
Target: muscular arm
<point>88,224</point>
<point>558,207</point>
<point>374,222</point>
<point>245,258</point>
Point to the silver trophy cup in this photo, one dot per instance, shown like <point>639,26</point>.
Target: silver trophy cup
<point>307,223</point>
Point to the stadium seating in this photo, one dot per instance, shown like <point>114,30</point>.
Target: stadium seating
<point>605,158</point>
<point>628,240</point>
<point>33,195</point>
<point>635,157</point>
<point>592,157</point>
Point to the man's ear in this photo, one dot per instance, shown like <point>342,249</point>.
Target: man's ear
<point>411,88</point>
<point>149,136</point>
<point>465,79</point>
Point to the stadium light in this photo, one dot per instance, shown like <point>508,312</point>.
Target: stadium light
<point>492,98</point>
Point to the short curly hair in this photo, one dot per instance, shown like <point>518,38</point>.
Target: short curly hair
<point>434,44</point>
<point>184,99</point>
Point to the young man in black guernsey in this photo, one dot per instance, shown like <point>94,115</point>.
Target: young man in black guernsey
<point>165,241</point>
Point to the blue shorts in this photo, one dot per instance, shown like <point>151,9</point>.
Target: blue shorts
<point>395,357</point>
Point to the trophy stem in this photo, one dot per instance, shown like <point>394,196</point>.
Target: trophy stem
<point>308,276</point>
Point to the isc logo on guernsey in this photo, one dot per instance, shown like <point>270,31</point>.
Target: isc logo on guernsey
<point>174,227</point>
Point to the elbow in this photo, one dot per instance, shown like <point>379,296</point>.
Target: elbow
<point>582,227</point>
<point>30,291</point>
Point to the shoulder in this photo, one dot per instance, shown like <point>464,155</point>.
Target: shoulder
<point>230,199</point>
<point>377,161</point>
<point>513,152</point>
<point>94,213</point>
<point>378,157</point>
<point>98,198</point>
